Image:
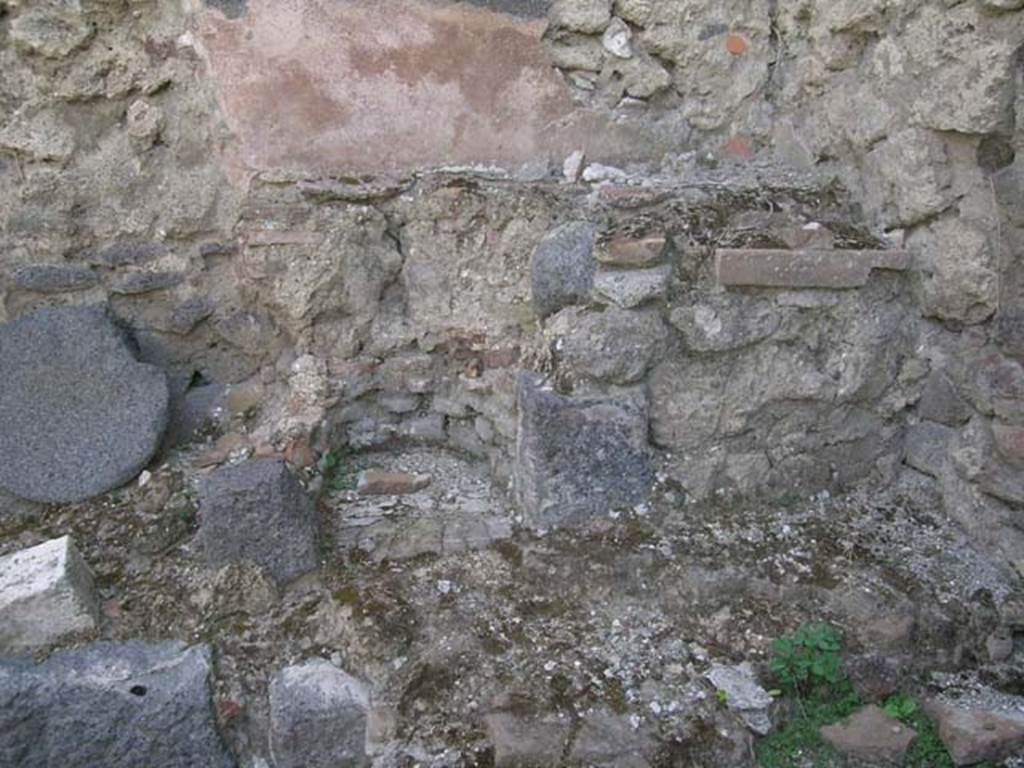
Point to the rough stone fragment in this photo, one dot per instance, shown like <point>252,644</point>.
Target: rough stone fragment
<point>874,676</point>
<point>607,740</point>
<point>188,314</point>
<point>617,39</point>
<point>637,12</point>
<point>196,411</point>
<point>129,253</point>
<point>562,268</point>
<point>928,447</point>
<point>642,76</point>
<point>257,511</point>
<point>573,166</point>
<point>577,52</point>
<point>378,482</point>
<point>78,414</point>
<point>717,327</point>
<point>974,736</point>
<point>960,278</point>
<point>615,345</point>
<point>940,402</point>
<point>147,282</point>
<point>578,458</point>
<point>43,135</point>
<point>144,122</point>
<point>1009,442</point>
<point>951,47</point>
<point>908,178</point>
<point>1010,331</point>
<point>111,704</point>
<point>768,268</point>
<point>743,695</point>
<point>46,595</point>
<point>631,288</point>
<point>55,278</point>
<point>521,741</point>
<point>587,16</point>
<point>625,251</point>
<point>318,717</point>
<point>49,33</point>
<point>871,734</point>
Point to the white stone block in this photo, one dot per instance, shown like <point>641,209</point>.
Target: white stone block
<point>46,594</point>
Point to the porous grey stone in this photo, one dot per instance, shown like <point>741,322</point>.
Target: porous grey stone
<point>257,511</point>
<point>719,326</point>
<point>147,282</point>
<point>78,414</point>
<point>940,402</point>
<point>527,740</point>
<point>578,458</point>
<point>928,446</point>
<point>117,705</point>
<point>615,345</point>
<point>55,278</point>
<point>607,740</point>
<point>562,268</point>
<point>46,595</point>
<point>53,33</point>
<point>318,717</point>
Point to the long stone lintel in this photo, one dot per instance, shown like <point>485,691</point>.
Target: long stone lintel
<point>768,268</point>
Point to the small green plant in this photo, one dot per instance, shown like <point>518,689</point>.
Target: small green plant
<point>722,697</point>
<point>338,475</point>
<point>900,706</point>
<point>808,667</point>
<point>809,660</point>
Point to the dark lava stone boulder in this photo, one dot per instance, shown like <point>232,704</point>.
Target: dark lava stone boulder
<point>79,415</point>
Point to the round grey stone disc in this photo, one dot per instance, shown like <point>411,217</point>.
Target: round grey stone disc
<point>79,415</point>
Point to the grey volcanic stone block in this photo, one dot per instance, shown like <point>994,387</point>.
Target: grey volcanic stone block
<point>578,458</point>
<point>46,594</point>
<point>258,511</point>
<point>55,278</point>
<point>563,266</point>
<point>79,415</point>
<point>116,705</point>
<point>317,717</point>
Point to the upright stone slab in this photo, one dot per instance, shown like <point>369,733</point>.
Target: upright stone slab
<point>79,415</point>
<point>46,595</point>
<point>578,458</point>
<point>258,511</point>
<point>117,705</point>
<point>318,717</point>
<point>563,266</point>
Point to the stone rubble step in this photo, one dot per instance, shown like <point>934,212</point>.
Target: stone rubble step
<point>871,734</point>
<point>978,735</point>
<point>46,595</point>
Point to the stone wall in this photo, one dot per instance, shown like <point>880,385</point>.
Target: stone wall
<point>368,219</point>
